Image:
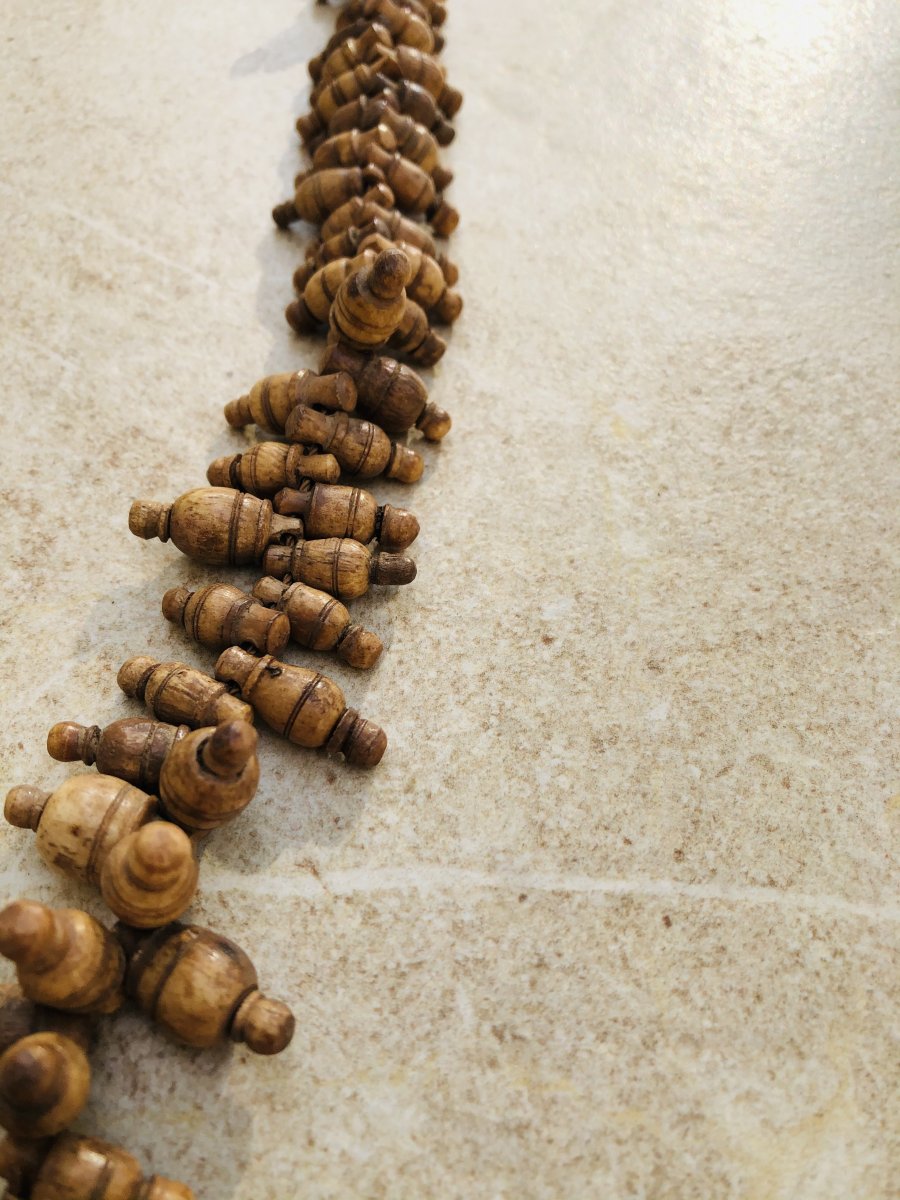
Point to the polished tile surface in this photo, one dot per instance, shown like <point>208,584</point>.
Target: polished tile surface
<point>617,915</point>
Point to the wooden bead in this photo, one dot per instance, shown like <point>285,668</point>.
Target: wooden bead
<point>259,469</point>
<point>413,188</point>
<point>362,79</point>
<point>133,749</point>
<point>370,303</point>
<point>174,691</point>
<point>415,339</point>
<point>215,525</point>
<point>416,102</point>
<point>150,877</point>
<point>78,825</point>
<point>344,53</point>
<point>45,1080</point>
<point>72,1167</point>
<point>361,113</point>
<point>318,194</point>
<point>321,622</point>
<point>330,511</point>
<point>413,140</point>
<point>418,66</point>
<point>221,615</point>
<point>359,446</point>
<point>203,989</point>
<point>346,244</point>
<point>389,392</point>
<point>311,311</point>
<point>404,26</point>
<point>303,706</point>
<point>341,566</point>
<point>363,210</point>
<point>426,284</point>
<point>269,401</point>
<point>350,149</point>
<point>20,1017</point>
<point>210,777</point>
<point>63,957</point>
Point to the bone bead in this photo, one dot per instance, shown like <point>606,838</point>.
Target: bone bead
<point>72,1167</point>
<point>303,706</point>
<point>174,691</point>
<point>350,149</point>
<point>150,877</point>
<point>344,53</point>
<point>215,525</point>
<point>211,776</point>
<point>45,1080</point>
<point>341,566</point>
<point>260,469</point>
<point>370,303</point>
<point>388,392</point>
<point>359,446</point>
<point>415,339</point>
<point>221,615</point>
<point>317,195</point>
<point>426,284</point>
<point>269,401</point>
<point>77,826</point>
<point>348,512</point>
<point>21,1017</point>
<point>404,25</point>
<point>321,622</point>
<point>63,957</point>
<point>203,989</point>
<point>133,749</point>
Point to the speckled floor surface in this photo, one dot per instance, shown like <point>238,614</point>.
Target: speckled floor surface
<point>617,915</point>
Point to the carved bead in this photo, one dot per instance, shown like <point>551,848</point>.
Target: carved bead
<point>404,25</point>
<point>344,53</point>
<point>415,102</point>
<point>45,1080</point>
<point>360,447</point>
<point>370,303</point>
<point>321,622</point>
<point>388,392</point>
<point>361,211</point>
<point>346,243</point>
<point>210,777</point>
<point>303,706</point>
<point>174,691</point>
<point>133,749</point>
<point>311,311</point>
<point>341,566</point>
<point>72,1167</point>
<point>415,339</point>
<point>78,825</point>
<point>262,469</point>
<point>350,149</point>
<point>330,511</point>
<point>63,957</point>
<point>203,989</point>
<point>215,525</point>
<point>358,114</point>
<point>413,141</point>
<point>418,66</point>
<point>426,284</point>
<point>414,189</point>
<point>269,401</point>
<point>318,194</point>
<point>221,615</point>
<point>364,78</point>
<point>150,876</point>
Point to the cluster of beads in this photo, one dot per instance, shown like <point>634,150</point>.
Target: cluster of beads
<point>375,283</point>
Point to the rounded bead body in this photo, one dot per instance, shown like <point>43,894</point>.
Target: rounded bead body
<point>413,188</point>
<point>404,25</point>
<point>222,615</point>
<point>337,511</point>
<point>63,957</point>
<point>426,284</point>
<point>45,1080</point>
<point>351,148</point>
<point>77,825</point>
<point>346,53</point>
<point>211,777</point>
<point>389,392</point>
<point>370,303</point>
<point>347,86</point>
<point>133,749</point>
<point>359,446</point>
<point>340,566</point>
<point>270,400</point>
<point>303,706</point>
<point>269,466</point>
<point>214,525</point>
<point>321,622</point>
<point>150,877</point>
<point>176,692</point>
<point>203,989</point>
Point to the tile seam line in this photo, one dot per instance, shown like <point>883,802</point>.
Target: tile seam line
<point>365,881</point>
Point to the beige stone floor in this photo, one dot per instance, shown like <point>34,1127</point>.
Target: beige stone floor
<point>617,915</point>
